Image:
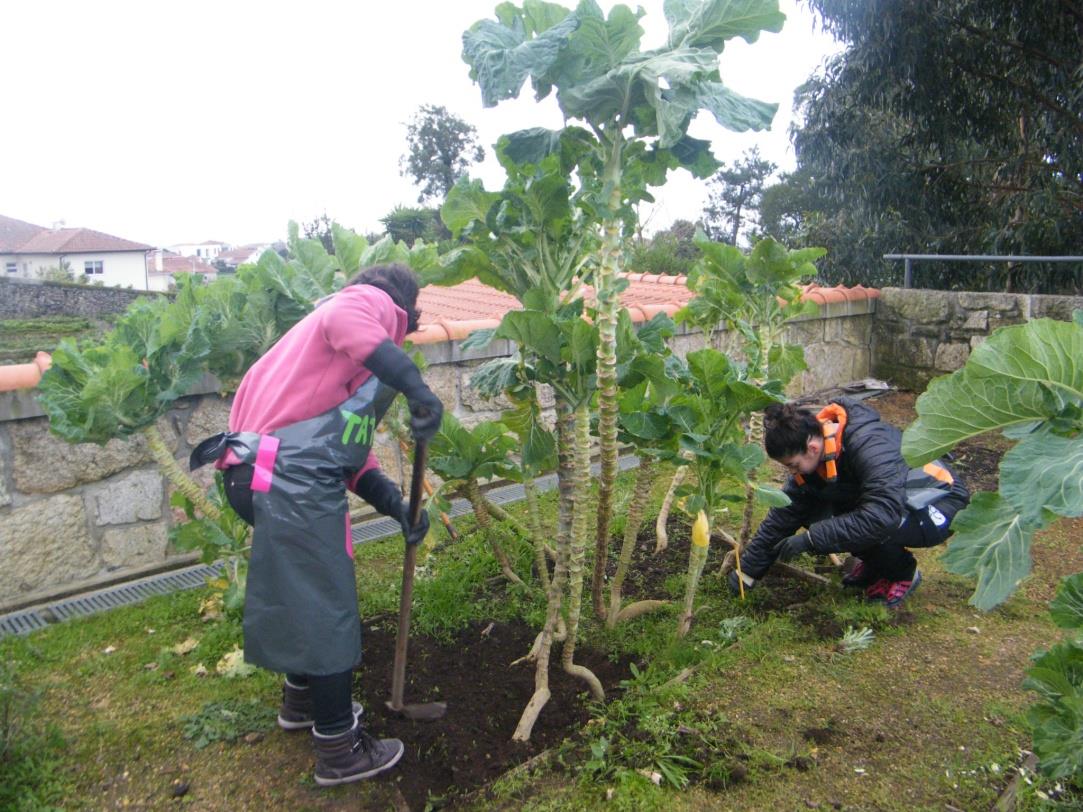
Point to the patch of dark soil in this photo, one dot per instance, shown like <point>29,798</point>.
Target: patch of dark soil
<point>829,734</point>
<point>649,571</point>
<point>471,745</point>
<point>977,464</point>
<point>977,461</point>
<point>821,624</point>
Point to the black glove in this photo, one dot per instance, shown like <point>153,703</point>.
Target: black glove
<point>793,546</point>
<point>394,368</point>
<point>380,492</point>
<point>417,533</point>
<point>733,579</point>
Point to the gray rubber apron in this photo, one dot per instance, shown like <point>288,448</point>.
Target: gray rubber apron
<point>300,610</point>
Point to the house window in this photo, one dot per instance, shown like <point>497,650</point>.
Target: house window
<point>11,267</point>
<point>92,266</point>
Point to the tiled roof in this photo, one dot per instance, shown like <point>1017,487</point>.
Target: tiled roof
<point>451,314</point>
<point>14,233</point>
<point>242,253</point>
<point>175,263</point>
<point>77,241</point>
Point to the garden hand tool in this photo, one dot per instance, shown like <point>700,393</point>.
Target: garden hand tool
<point>424,711</point>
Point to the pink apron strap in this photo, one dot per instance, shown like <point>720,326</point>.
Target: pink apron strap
<point>349,535</point>
<point>263,471</point>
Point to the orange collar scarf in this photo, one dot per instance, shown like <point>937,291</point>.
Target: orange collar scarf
<point>828,471</point>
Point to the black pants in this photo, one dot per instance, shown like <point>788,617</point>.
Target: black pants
<point>891,558</point>
<point>332,700</point>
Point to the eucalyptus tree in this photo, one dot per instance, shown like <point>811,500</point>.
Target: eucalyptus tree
<point>734,196</point>
<point>636,106</point>
<point>947,126</point>
<point>442,147</point>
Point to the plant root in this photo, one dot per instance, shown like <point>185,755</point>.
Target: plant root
<point>530,714</point>
<point>634,610</point>
<point>585,674</point>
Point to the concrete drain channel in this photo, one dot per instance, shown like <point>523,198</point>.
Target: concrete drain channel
<point>30,620</point>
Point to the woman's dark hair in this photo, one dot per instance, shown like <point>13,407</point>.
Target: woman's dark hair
<point>398,282</point>
<point>787,430</point>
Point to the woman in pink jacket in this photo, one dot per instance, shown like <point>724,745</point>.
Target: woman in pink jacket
<point>301,431</point>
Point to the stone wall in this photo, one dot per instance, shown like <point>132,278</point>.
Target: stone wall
<point>32,298</point>
<point>920,334</point>
<point>73,517</point>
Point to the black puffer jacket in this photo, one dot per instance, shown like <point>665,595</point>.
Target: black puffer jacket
<point>863,504</point>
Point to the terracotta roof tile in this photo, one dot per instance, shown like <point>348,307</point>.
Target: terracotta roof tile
<point>77,241</point>
<point>14,233</point>
<point>471,305</point>
<point>175,263</point>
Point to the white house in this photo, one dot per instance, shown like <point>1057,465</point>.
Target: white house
<point>207,251</point>
<point>163,265</point>
<point>29,251</point>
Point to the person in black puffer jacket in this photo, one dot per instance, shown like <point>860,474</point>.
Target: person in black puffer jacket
<point>851,491</point>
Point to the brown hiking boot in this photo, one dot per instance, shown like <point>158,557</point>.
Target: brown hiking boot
<point>295,712</point>
<point>353,755</point>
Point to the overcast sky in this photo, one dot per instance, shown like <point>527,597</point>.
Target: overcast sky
<point>221,119</point>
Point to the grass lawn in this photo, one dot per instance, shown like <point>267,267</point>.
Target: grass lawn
<point>758,708</point>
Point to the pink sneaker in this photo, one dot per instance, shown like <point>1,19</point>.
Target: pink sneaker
<point>877,590</point>
<point>898,591</point>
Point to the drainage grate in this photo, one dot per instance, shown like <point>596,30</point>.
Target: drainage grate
<point>28,620</point>
<point>134,592</point>
<point>375,529</point>
<point>21,622</point>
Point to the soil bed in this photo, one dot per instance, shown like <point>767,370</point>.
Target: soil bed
<point>977,460</point>
<point>471,745</point>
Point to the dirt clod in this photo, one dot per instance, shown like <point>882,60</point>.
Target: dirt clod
<point>820,735</point>
<point>801,763</point>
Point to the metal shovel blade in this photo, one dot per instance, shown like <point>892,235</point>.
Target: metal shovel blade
<point>420,711</point>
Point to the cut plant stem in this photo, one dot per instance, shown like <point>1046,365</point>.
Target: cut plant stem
<point>173,472</point>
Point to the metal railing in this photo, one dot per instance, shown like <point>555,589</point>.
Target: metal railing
<point>908,259</point>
